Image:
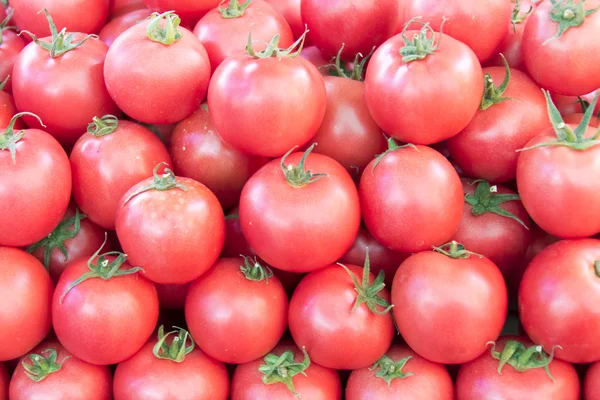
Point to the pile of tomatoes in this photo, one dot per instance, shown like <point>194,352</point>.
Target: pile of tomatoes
<point>299,199</point>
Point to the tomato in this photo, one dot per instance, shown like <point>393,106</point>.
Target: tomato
<point>50,372</point>
<point>7,107</point>
<point>113,156</point>
<point>290,9</point>
<point>172,297</point>
<point>117,26</point>
<point>285,374</point>
<point>4,379</point>
<point>576,119</point>
<point>157,72</point>
<point>316,58</point>
<point>301,212</point>
<point>407,221</point>
<point>171,369</point>
<point>517,369</point>
<point>574,104</point>
<point>508,117</point>
<point>190,11</point>
<point>560,32</point>
<point>556,300</point>
<point>119,8</point>
<point>439,73</point>
<point>449,303</point>
<point>591,383</point>
<point>480,25</point>
<point>241,296</point>
<point>401,374</point>
<point>10,46</point>
<point>235,242</point>
<point>103,311</point>
<point>27,288</point>
<point>173,212</point>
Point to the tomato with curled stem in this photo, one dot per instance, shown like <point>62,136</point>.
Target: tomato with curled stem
<point>290,9</point>
<point>11,45</point>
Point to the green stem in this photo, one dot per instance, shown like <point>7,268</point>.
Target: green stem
<point>358,66</point>
<point>177,349</point>
<point>297,175</point>
<point>254,271</point>
<point>167,34</point>
<point>390,369</point>
<point>568,14</point>
<point>522,358</point>
<point>423,44</point>
<point>495,95</point>
<point>4,24</point>
<point>518,17</point>
<point>392,146</point>
<point>487,200</point>
<point>165,181</point>
<point>235,9</point>
<point>9,139</point>
<point>282,369</point>
<point>455,250</point>
<point>273,49</point>
<point>103,126</point>
<point>39,366</point>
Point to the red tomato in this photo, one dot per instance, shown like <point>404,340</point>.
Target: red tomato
<point>190,11</point>
<point>117,26</point>
<point>171,370</point>
<point>401,374</point>
<point>35,185</point>
<point>235,242</point>
<point>574,104</point>
<point>172,297</point>
<point>51,373</point>
<point>4,379</point>
<point>559,31</point>
<point>316,58</point>
<point>575,119</point>
<point>290,9</point>
<point>441,74</point>
<point>103,316</point>
<point>155,76</point>
<point>241,296</point>
<point>7,109</point>
<point>27,288</point>
<point>180,214</point>
<point>113,156</point>
<point>557,298</point>
<point>449,304</point>
<point>118,8</point>
<point>525,372</point>
<point>10,46</point>
<point>285,374</point>
<point>295,220</point>
<point>393,206</point>
<point>591,383</point>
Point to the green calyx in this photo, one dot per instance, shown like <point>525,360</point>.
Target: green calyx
<point>66,230</point>
<point>487,199</point>
<point>368,293</point>
<point>167,34</point>
<point>165,181</point>
<point>4,24</point>
<point>392,146</point>
<point>254,271</point>
<point>568,14</point>
<point>103,126</point>
<point>390,369</point>
<point>4,82</point>
<point>297,175</point>
<point>177,349</point>
<point>61,41</point>
<point>518,17</point>
<point>9,139</point>
<point>39,366</point>
<point>282,369</point>
<point>455,250</point>
<point>422,44</point>
<point>358,66</point>
<point>235,9</point>
<point>492,94</point>
<point>597,268</point>
<point>523,358</point>
<point>273,50</point>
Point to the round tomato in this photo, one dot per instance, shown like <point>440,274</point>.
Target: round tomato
<point>591,383</point>
<point>316,58</point>
<point>449,303</point>
<point>190,11</point>
<point>118,8</point>
<point>117,26</point>
<point>172,297</point>
<point>574,104</point>
<point>4,379</point>
<point>7,107</point>
<point>290,9</point>
<point>11,45</point>
<point>575,119</point>
<point>235,242</point>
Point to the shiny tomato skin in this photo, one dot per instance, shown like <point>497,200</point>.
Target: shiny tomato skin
<point>224,37</point>
<point>106,167</point>
<point>190,11</point>
<point>144,376</point>
<point>8,110</point>
<point>76,379</point>
<point>573,70</point>
<point>430,380</point>
<point>114,28</point>
<point>455,92</point>
<point>290,9</point>
<point>576,118</point>
<point>300,229</point>
<point>4,379</point>
<point>118,8</point>
<point>10,47</point>
<point>316,58</point>
<point>487,147</point>
<point>448,309</point>
<point>557,297</point>
<point>394,210</point>
<point>591,383</point>
<point>27,288</point>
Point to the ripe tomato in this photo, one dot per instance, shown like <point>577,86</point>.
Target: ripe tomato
<point>316,58</point>
<point>117,26</point>
<point>559,31</point>
<point>301,212</point>
<point>235,242</point>
<point>285,374</point>
<point>113,156</point>
<point>190,11</point>
<point>51,373</point>
<point>575,119</point>
<point>401,374</point>
<point>171,368</point>
<point>118,8</point>
<point>157,72</point>
<point>397,81</point>
<point>7,107</point>
<point>199,153</point>
<point>4,379</point>
<point>27,288</point>
<point>591,383</point>
<point>393,207</point>
<point>574,104</point>
<point>10,46</point>
<point>224,30</point>
<point>290,9</point>
<point>172,297</point>
<point>103,311</point>
<point>449,303</point>
<point>517,369</point>
<point>557,297</point>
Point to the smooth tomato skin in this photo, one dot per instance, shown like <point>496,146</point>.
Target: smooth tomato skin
<point>430,380</point>
<point>4,379</point>
<point>10,47</point>
<point>224,37</point>
<point>557,297</point>
<point>69,89</point>
<point>76,379</point>
<point>487,147</point>
<point>8,110</point>
<point>190,11</point>
<point>118,8</point>
<point>155,83</point>
<point>290,9</point>
<point>172,297</point>
<point>448,309</point>
<point>273,113</point>
<point>226,301</point>
<point>144,376</point>
<point>316,58</point>
<point>319,383</point>
<point>27,288</point>
<point>591,383</point>
<point>321,319</point>
<point>117,26</point>
<point>235,241</point>
<point>394,87</point>
<point>576,118</point>
<point>394,210</point>
<point>35,189</point>
<point>106,167</point>
<point>573,70</point>
<point>300,229</point>
<point>570,104</point>
<point>188,226</point>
